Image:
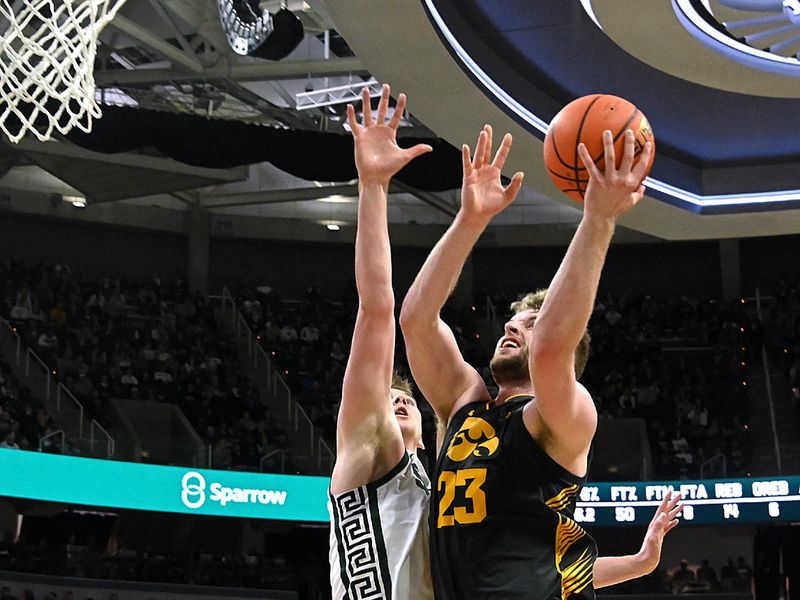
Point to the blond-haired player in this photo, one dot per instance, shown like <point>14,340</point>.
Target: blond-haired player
<point>379,494</point>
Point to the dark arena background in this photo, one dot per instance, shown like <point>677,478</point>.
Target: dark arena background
<point>177,296</point>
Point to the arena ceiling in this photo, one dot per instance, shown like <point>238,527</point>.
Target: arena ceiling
<point>728,160</point>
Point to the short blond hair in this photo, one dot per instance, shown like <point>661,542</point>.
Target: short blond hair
<point>534,301</point>
<point>402,383</point>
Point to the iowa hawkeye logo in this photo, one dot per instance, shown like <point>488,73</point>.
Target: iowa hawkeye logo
<point>475,438</point>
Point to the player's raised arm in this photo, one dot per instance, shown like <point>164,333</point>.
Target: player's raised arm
<point>368,438</point>
<point>611,570</point>
<point>564,405</point>
<point>439,370</point>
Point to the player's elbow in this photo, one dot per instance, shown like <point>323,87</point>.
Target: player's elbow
<point>411,316</point>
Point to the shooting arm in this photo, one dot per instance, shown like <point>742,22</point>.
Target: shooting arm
<point>566,407</point>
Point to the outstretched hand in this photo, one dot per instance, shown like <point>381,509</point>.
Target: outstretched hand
<point>613,192</point>
<point>378,157</point>
<point>482,193</point>
<point>664,521</point>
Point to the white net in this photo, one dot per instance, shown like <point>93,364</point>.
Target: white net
<point>47,54</point>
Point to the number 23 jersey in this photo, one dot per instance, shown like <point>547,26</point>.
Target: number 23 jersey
<point>502,513</point>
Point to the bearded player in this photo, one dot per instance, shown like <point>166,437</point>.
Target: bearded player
<point>511,467</point>
<point>379,494</point>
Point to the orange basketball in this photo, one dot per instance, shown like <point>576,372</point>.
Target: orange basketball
<point>585,120</point>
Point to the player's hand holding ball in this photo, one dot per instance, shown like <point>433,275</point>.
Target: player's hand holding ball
<point>614,191</point>
<point>599,149</point>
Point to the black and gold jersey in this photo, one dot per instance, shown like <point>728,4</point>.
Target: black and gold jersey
<point>501,514</point>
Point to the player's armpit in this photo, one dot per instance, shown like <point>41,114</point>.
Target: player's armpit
<point>564,407</point>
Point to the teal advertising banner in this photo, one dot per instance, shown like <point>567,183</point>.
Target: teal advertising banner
<point>114,484</point>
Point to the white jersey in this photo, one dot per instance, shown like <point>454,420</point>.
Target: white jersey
<point>379,537</point>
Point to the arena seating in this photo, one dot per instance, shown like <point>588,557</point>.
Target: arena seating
<point>675,362</point>
<point>109,338</point>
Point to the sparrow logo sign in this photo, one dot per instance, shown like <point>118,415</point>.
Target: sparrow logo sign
<point>193,493</point>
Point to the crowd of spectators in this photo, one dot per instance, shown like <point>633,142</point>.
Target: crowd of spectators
<point>678,363</point>
<point>681,365</point>
<point>781,316</point>
<point>109,338</point>
<point>687,578</point>
<point>25,423</point>
<point>308,339</point>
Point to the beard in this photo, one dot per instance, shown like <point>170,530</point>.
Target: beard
<point>506,369</point>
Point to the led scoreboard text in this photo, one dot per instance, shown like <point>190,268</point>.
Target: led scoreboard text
<point>707,501</point>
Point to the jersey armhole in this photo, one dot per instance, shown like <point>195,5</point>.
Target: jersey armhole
<point>392,473</point>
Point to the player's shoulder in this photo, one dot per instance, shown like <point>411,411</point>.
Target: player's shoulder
<point>475,393</point>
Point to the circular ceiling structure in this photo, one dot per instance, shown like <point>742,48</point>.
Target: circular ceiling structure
<point>728,163</point>
<point>719,151</point>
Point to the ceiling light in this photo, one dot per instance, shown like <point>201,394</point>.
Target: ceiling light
<point>332,227</point>
<point>76,201</point>
<point>336,199</point>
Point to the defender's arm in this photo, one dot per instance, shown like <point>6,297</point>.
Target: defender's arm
<point>368,438</point>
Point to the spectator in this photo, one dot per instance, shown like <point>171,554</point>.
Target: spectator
<point>707,574</point>
<point>744,575</point>
<point>10,441</point>
<point>682,576</point>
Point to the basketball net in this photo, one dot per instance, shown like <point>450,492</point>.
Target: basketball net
<point>47,54</point>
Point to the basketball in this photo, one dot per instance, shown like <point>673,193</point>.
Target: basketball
<point>585,120</point>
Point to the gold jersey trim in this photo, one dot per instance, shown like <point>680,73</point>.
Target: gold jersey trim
<point>561,500</point>
<point>575,575</point>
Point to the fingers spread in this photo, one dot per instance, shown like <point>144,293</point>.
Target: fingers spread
<point>487,151</point>
<point>628,153</point>
<point>644,160</point>
<point>637,196</point>
<point>480,150</point>
<point>351,120</point>
<point>670,526</point>
<point>366,108</point>
<point>608,152</point>
<point>675,512</point>
<point>587,161</point>
<point>383,105</point>
<point>502,151</point>
<point>466,163</point>
<point>514,187</point>
<point>398,112</point>
<point>418,150</point>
